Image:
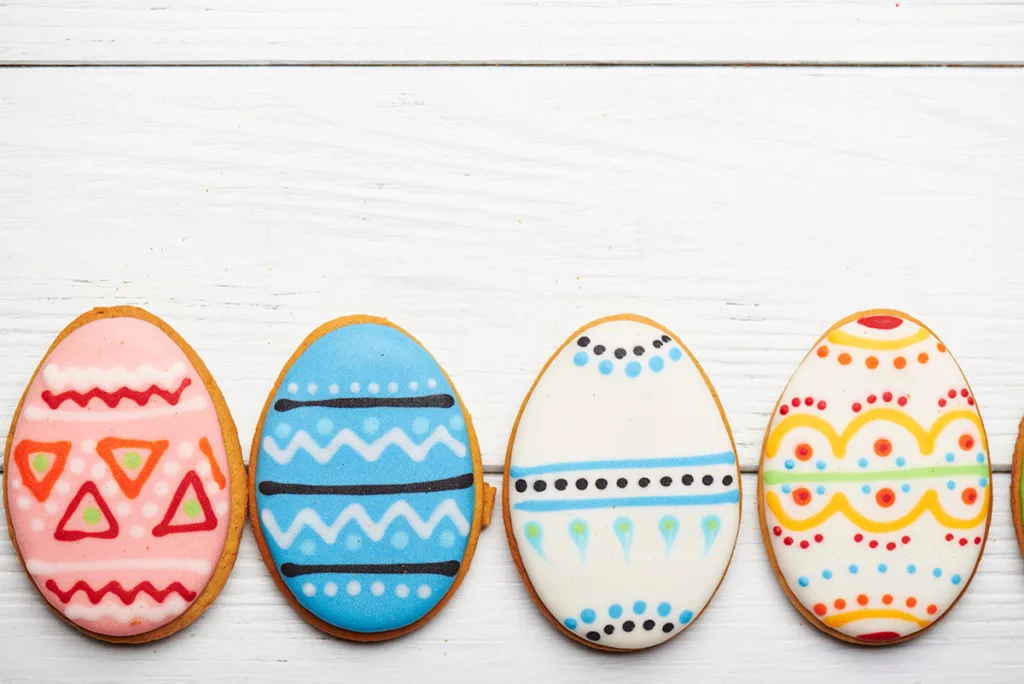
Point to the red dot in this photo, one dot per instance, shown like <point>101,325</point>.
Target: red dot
<point>952,394</point>
<point>977,540</point>
<point>783,409</point>
<point>858,537</point>
<point>820,609</point>
<point>964,393</point>
<point>949,537</point>
<point>963,542</point>
<point>862,599</point>
<point>821,405</point>
<point>932,609</point>
<point>840,604</point>
<point>872,398</point>
<point>906,540</point>
<point>902,401</point>
<point>873,544</point>
<point>942,402</point>
<point>887,396</point>
<point>795,402</point>
<point>809,401</point>
<point>777,530</point>
<point>891,545</point>
<point>970,401</point>
<point>788,541</point>
<point>818,538</point>
<point>887,599</point>
<point>804,544</point>
<point>856,407</point>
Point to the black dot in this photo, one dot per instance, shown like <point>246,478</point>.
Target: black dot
<point>628,626</point>
<point>620,353</point>
<point>583,341</point>
<point>608,629</point>
<point>520,486</point>
<point>581,484</point>
<point>643,482</point>
<point>649,625</point>
<point>598,350</point>
<point>621,482</point>
<point>708,480</point>
<point>638,350</point>
<point>687,479</point>
<point>666,481</point>
<point>667,627</point>
<point>727,480</point>
<point>593,636</point>
<point>657,344</point>
<point>666,339</point>
<point>540,486</point>
<point>561,484</point>
<point>600,483</point>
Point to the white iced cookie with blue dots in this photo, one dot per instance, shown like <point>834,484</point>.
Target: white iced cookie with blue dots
<point>621,488</point>
<point>875,491</point>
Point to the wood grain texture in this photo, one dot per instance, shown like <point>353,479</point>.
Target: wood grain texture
<point>389,31</point>
<point>492,630</point>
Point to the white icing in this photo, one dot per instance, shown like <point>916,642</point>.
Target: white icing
<point>369,451</point>
<point>114,610</point>
<point>113,379</point>
<point>38,413</point>
<point>38,567</point>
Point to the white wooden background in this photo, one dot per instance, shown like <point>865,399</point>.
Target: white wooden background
<point>248,170</point>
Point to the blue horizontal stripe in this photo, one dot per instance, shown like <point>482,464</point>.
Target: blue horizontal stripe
<point>724,458</point>
<point>732,496</point>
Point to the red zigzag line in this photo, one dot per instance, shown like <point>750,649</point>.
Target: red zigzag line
<point>113,399</point>
<point>127,597</point>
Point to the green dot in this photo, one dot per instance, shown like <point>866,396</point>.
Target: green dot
<point>668,525</point>
<point>40,462</point>
<point>578,528</point>
<point>532,530</point>
<point>132,460</point>
<point>91,515</point>
<point>712,525</point>
<point>623,526</point>
<point>191,508</point>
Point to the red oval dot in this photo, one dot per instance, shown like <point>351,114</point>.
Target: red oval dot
<point>970,401</point>
<point>887,396</point>
<point>963,542</point>
<point>949,537</point>
<point>942,402</point>
<point>902,401</point>
<point>821,405</point>
<point>873,544</point>
<point>906,540</point>
<point>788,541</point>
<point>858,537</point>
<point>809,401</point>
<point>952,394</point>
<point>795,402</point>
<point>891,545</point>
<point>872,398</point>
<point>804,544</point>
<point>856,407</point>
<point>977,540</point>
<point>777,530</point>
<point>783,409</point>
<point>964,393</point>
<point>818,538</point>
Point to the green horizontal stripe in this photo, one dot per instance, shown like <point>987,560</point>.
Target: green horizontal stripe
<point>773,477</point>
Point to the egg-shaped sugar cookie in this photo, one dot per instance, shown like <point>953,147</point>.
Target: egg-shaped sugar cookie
<point>875,485</point>
<point>622,491</point>
<point>1017,487</point>
<point>366,482</point>
<point>123,479</point>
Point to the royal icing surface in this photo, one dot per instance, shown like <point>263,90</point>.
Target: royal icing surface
<point>875,479</point>
<point>623,488</point>
<point>365,481</point>
<point>117,482</point>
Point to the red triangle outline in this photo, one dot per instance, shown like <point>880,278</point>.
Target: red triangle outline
<point>209,521</point>
<point>41,488</point>
<point>74,535</point>
<point>131,486</point>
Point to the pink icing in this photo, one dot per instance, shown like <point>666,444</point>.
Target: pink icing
<point>145,356</point>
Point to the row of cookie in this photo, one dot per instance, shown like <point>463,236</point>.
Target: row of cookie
<point>126,493</point>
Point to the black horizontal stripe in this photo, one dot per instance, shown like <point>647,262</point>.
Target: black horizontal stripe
<point>446,568</point>
<point>271,488</point>
<point>426,401</point>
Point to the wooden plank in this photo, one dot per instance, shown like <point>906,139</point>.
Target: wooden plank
<point>520,31</point>
<point>492,631</point>
<point>491,212</point>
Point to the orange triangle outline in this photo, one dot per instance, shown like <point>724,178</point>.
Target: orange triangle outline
<point>131,487</point>
<point>41,488</point>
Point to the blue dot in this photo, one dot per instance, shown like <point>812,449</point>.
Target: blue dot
<point>446,539</point>
<point>352,542</point>
<point>866,489</point>
<point>951,485</point>
<point>570,623</point>
<point>983,482</point>
<point>675,354</point>
<point>685,616</point>
<point>955,579</point>
<point>399,540</point>
<point>420,425</point>
<point>283,430</point>
<point>854,569</point>
<point>980,458</point>
<point>639,607</point>
<point>581,358</point>
<point>324,426</point>
<point>883,568</point>
<point>656,363</point>
<point>633,369</point>
<point>664,609</point>
<point>900,461</point>
<point>588,615</point>
<point>786,489</point>
<point>605,367</point>
<point>820,465</point>
<point>911,568</point>
<point>827,574</point>
<point>308,547</point>
<point>950,458</point>
<point>820,490</point>
<point>937,573</point>
<point>456,422</point>
<point>615,610</point>
<point>803,581</point>
<point>863,462</point>
<point>371,425</point>
<point>789,464</point>
<point>905,488</point>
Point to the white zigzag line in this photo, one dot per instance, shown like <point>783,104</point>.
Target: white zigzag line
<point>374,530</point>
<point>370,452</point>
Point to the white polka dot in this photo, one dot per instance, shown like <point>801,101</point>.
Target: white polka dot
<point>334,389</point>
<point>185,451</point>
<point>308,589</point>
<point>354,388</point>
<point>324,426</point>
<point>456,422</point>
<point>88,446</point>
<point>162,488</point>
<point>392,387</point>
<point>353,588</point>
<point>431,383</point>
<point>221,508</point>
<point>76,465</point>
<point>293,387</point>
<point>330,589</point>
<point>377,588</point>
<point>63,487</point>
<point>16,482</point>
<point>423,592</point>
<point>420,425</point>
<point>374,388</point>
<point>109,488</point>
<point>24,503</point>
<point>203,468</point>
<point>124,508</point>
<point>98,470</point>
<point>308,548</point>
<point>447,539</point>
<point>171,467</point>
<point>149,510</point>
<point>401,591</point>
<point>37,525</point>
<point>137,531</point>
<point>312,388</point>
<point>210,485</point>
<point>370,425</point>
<point>51,507</point>
<point>413,386</point>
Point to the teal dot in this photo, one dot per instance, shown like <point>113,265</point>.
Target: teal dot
<point>866,489</point>
<point>570,623</point>
<point>615,610</point>
<point>581,359</point>
<point>827,574</point>
<point>656,364</point>
<point>820,465</point>
<point>664,609</point>
<point>588,615</point>
<point>950,458</point>
<point>786,489</point>
<point>633,369</point>
<point>863,463</point>
<point>685,617</point>
<point>283,430</point>
<point>803,581</point>
<point>951,485</point>
<point>420,425</point>
<point>675,354</point>
<point>400,540</point>
<point>883,568</point>
<point>371,425</point>
<point>905,488</point>
<point>324,426</point>
<point>456,422</point>
<point>820,490</point>
<point>446,539</point>
<point>639,607</point>
<point>789,464</point>
<point>854,569</point>
<point>983,482</point>
<point>911,569</point>
<point>900,461</point>
<point>937,572</point>
<point>352,542</point>
<point>956,579</point>
<point>605,367</point>
<point>980,458</point>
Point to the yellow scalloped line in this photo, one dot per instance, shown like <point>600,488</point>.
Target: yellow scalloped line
<point>845,338</point>
<point>929,501</point>
<point>868,613</point>
<point>925,438</point>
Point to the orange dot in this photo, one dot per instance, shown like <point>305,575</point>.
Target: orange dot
<point>803,451</point>
<point>883,447</point>
<point>911,602</point>
<point>845,359</point>
<point>932,609</point>
<point>822,351</point>
<point>862,599</point>
<point>802,496</point>
<point>887,599</point>
<point>966,442</point>
<point>820,609</point>
<point>922,358</point>
<point>900,363</point>
<point>871,363</point>
<point>885,497</point>
<point>839,604</point>
<point>941,347</point>
<point>969,496</point>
